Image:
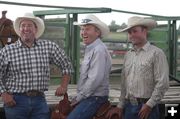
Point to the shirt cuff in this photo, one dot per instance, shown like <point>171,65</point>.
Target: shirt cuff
<point>79,97</point>
<point>2,90</point>
<point>151,103</point>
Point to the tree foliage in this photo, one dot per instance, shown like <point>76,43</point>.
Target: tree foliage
<point>114,27</point>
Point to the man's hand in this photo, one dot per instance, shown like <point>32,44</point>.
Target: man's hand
<point>144,112</point>
<point>60,91</point>
<point>115,110</point>
<point>8,99</point>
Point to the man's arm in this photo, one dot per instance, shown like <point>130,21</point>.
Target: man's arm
<point>62,89</point>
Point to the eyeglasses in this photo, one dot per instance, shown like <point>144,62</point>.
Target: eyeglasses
<point>86,20</point>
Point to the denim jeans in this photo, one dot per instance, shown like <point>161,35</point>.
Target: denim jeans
<point>131,111</point>
<point>87,108</point>
<point>28,108</point>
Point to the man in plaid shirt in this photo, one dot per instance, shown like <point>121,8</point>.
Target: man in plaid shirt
<point>25,70</point>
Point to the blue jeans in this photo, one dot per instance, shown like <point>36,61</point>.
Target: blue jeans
<point>87,108</point>
<point>131,111</point>
<point>28,108</point>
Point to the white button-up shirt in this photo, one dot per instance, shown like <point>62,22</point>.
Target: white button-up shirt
<point>95,70</point>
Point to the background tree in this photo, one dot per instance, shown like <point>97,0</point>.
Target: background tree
<point>113,26</point>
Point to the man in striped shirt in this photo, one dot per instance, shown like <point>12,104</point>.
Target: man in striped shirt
<point>25,70</point>
<point>145,74</point>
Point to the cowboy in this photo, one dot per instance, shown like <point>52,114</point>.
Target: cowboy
<point>93,85</point>
<point>25,70</point>
<point>145,75</point>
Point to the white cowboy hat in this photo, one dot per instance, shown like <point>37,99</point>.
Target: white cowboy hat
<point>140,21</point>
<point>39,23</point>
<point>92,19</point>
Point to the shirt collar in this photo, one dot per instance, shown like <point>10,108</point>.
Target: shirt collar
<point>20,44</point>
<point>145,47</point>
<point>93,44</point>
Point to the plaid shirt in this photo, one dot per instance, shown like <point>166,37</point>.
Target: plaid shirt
<point>23,69</point>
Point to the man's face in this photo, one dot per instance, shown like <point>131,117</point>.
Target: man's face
<point>137,35</point>
<point>28,30</point>
<point>89,33</point>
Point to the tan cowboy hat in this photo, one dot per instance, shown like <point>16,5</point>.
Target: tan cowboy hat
<point>39,23</point>
<point>92,19</point>
<point>140,21</point>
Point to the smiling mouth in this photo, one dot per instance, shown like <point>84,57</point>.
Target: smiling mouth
<point>85,37</point>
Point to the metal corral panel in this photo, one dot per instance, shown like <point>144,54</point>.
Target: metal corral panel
<point>72,11</point>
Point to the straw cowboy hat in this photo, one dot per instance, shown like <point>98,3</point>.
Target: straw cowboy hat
<point>39,23</point>
<point>92,19</point>
<point>140,21</point>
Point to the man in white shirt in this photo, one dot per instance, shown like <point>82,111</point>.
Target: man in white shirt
<point>93,85</point>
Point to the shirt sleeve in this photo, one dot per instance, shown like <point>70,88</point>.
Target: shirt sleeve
<point>3,65</point>
<point>122,88</point>
<point>161,76</point>
<point>59,58</point>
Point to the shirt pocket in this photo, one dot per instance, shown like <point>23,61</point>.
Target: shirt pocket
<point>127,67</point>
<point>85,66</point>
<point>145,67</point>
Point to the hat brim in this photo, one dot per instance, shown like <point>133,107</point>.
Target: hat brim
<point>103,27</point>
<point>39,23</point>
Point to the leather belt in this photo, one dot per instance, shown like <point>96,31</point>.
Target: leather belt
<point>137,101</point>
<point>32,93</point>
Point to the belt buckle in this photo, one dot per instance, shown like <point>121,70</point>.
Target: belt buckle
<point>133,100</point>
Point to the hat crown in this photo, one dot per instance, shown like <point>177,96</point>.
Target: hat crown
<point>139,21</point>
<point>134,20</point>
<point>29,15</point>
<point>90,19</point>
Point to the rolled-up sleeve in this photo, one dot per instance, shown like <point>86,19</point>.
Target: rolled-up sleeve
<point>59,58</point>
<point>3,67</point>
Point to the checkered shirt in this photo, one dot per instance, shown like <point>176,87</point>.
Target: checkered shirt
<point>23,68</point>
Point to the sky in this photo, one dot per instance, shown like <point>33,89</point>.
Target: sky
<point>155,7</point>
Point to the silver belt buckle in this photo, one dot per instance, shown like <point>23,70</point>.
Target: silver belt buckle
<point>133,100</point>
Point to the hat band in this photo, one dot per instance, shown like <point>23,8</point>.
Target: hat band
<point>86,20</point>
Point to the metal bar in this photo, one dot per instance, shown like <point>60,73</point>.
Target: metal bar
<point>157,17</point>
<point>71,11</point>
<point>102,9</point>
<point>170,48</point>
<point>76,51</point>
<point>174,33</point>
<point>174,78</point>
<point>35,5</point>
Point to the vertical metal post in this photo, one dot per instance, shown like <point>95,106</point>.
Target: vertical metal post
<point>76,49</point>
<point>174,33</point>
<point>172,47</point>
